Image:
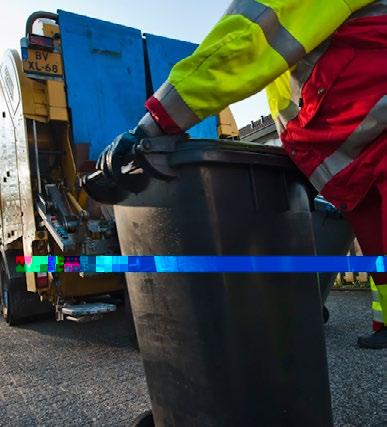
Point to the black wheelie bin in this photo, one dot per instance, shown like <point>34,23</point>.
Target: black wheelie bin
<point>334,236</point>
<point>226,349</point>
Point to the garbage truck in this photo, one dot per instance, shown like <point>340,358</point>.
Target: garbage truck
<point>75,83</point>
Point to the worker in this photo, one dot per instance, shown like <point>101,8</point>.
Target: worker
<point>323,63</point>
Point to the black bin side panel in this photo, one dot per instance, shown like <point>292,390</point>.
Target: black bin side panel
<point>228,349</point>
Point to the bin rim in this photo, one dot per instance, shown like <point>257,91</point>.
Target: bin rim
<point>226,151</point>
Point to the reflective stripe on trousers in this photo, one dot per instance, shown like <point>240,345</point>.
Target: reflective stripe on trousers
<point>373,125</point>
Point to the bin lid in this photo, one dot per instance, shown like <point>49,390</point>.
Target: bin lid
<point>226,151</point>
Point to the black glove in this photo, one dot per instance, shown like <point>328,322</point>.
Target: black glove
<point>128,163</point>
<point>117,155</point>
<point>118,163</point>
<point>117,174</point>
<point>102,189</point>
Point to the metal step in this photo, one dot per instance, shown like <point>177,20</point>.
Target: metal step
<point>86,311</point>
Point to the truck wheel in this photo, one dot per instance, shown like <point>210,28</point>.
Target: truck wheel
<point>7,299</point>
<point>16,303</point>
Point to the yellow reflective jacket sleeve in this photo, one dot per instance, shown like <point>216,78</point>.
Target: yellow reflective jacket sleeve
<point>252,44</point>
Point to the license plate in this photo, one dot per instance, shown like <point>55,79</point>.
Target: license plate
<point>43,62</point>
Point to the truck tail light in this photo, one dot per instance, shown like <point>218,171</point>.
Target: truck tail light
<point>41,41</point>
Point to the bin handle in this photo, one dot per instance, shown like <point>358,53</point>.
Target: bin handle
<point>152,155</point>
<point>330,210</point>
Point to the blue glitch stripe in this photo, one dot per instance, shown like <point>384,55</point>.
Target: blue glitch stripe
<point>222,264</point>
<point>117,264</point>
<point>208,264</point>
<point>269,264</point>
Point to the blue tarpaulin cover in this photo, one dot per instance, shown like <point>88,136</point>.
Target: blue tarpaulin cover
<point>105,77</point>
<point>105,85</point>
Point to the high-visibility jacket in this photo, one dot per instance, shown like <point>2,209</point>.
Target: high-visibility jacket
<point>297,50</point>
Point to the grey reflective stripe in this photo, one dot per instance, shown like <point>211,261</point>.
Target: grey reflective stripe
<point>298,76</point>
<point>375,296</point>
<point>370,128</point>
<point>377,8</point>
<point>287,114</point>
<point>147,126</point>
<point>175,106</point>
<point>276,35</point>
<point>301,73</point>
<point>377,316</point>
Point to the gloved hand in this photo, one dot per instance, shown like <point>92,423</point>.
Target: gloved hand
<point>102,189</point>
<point>117,174</point>
<point>118,163</point>
<point>128,163</point>
<point>118,154</point>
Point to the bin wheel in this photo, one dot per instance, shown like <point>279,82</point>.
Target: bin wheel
<point>144,420</point>
<point>325,313</point>
<point>130,320</point>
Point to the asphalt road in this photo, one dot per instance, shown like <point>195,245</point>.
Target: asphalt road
<point>356,375</point>
<point>66,374</point>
